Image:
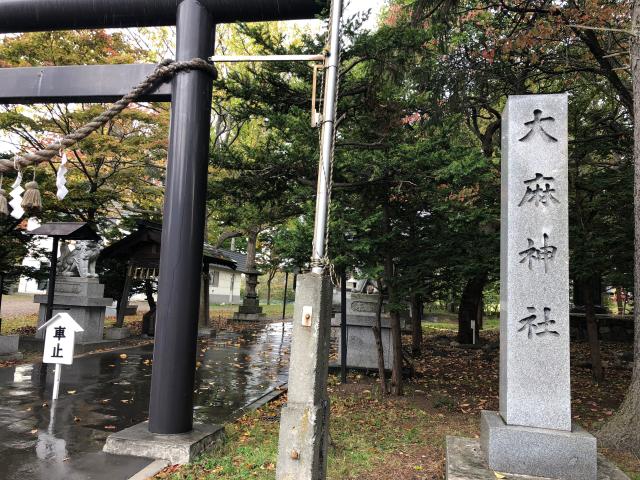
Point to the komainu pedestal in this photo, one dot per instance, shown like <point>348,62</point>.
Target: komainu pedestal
<point>83,299</point>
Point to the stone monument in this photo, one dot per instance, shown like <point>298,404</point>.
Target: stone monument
<point>532,434</point>
<point>78,292</point>
<point>361,344</point>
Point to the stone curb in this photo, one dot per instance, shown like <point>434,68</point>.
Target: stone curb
<point>260,402</point>
<point>150,470</point>
<point>156,466</point>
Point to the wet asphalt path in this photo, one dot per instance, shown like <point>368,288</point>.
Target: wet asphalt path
<point>107,392</point>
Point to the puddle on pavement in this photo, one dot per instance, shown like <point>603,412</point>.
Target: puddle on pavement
<point>103,393</point>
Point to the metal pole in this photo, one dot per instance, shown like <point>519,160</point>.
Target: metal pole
<point>56,382</point>
<point>343,325</point>
<point>284,300</point>
<point>266,58</point>
<point>51,287</point>
<point>1,293</point>
<point>328,138</point>
<point>174,356</point>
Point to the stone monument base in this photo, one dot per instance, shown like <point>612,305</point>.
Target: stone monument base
<point>9,344</point>
<point>83,299</point>
<point>466,461</point>
<point>11,357</point>
<point>182,448</point>
<point>205,332</point>
<point>117,333</point>
<point>248,317</point>
<point>538,451</point>
<point>362,352</point>
<point>249,311</point>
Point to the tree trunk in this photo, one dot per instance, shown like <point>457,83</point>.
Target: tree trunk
<point>377,334</point>
<point>123,301</point>
<point>619,302</point>
<point>269,290</point>
<point>592,333</point>
<point>623,430</point>
<point>416,324</point>
<point>396,339</point>
<point>480,316</point>
<point>149,318</point>
<point>252,240</point>
<point>396,331</point>
<point>469,305</point>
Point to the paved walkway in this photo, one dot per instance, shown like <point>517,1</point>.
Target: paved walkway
<point>107,392</point>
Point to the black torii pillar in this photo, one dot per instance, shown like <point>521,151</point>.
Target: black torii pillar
<point>171,404</point>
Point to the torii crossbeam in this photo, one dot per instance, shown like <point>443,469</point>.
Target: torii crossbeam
<point>171,403</point>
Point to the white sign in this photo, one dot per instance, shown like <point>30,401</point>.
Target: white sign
<point>59,339</point>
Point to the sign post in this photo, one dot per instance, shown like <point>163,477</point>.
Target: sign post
<point>59,342</point>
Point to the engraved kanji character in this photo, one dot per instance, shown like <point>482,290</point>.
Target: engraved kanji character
<point>537,128</point>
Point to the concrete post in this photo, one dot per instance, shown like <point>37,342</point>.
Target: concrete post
<point>304,424</point>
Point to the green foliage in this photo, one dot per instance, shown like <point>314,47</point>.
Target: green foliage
<point>14,246</point>
<point>416,189</point>
<point>115,174</point>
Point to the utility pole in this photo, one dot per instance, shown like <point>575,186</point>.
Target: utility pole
<point>304,424</point>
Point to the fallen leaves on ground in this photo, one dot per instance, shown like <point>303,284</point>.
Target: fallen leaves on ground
<point>375,437</point>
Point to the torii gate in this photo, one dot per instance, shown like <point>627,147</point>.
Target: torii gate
<point>171,403</point>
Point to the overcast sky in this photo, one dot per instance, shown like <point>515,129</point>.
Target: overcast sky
<point>354,6</point>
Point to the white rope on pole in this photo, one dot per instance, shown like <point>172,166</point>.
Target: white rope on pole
<point>328,132</point>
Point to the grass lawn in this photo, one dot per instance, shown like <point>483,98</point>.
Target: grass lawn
<point>381,438</point>
<point>25,323</point>
<point>449,321</point>
<point>273,311</point>
<point>15,324</point>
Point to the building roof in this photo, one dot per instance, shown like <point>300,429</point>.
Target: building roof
<point>239,258</point>
<point>143,246</point>
<point>66,230</point>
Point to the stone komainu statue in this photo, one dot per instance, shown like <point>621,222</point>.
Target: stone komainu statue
<point>80,262</point>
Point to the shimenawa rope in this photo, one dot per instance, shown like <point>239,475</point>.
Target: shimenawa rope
<point>164,72</point>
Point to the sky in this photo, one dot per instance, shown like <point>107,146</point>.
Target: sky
<point>354,6</point>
